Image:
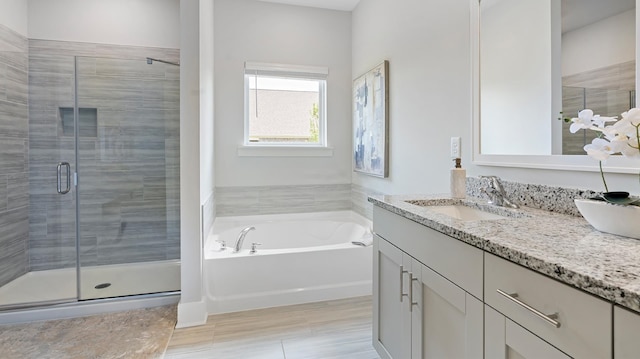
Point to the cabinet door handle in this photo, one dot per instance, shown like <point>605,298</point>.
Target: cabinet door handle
<point>548,318</point>
<point>413,279</point>
<point>402,293</point>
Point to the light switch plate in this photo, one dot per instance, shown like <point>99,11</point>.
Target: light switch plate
<point>455,147</point>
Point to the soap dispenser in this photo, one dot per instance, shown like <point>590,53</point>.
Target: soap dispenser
<point>458,180</point>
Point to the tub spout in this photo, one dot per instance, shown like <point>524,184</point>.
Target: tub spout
<point>240,240</point>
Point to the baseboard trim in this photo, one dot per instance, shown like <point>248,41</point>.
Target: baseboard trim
<point>192,314</point>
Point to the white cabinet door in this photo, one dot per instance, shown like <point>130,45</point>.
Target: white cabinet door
<point>447,321</point>
<point>626,329</point>
<point>575,322</point>
<point>506,339</point>
<point>391,321</point>
<point>420,314</point>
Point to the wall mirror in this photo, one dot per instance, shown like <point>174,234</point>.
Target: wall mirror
<point>536,61</point>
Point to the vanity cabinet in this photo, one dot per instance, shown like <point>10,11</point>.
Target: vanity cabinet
<point>423,302</point>
<point>626,331</point>
<point>392,326</point>
<point>504,339</point>
<point>438,297</point>
<point>574,322</point>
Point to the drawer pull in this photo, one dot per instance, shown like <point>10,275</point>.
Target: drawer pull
<point>549,318</point>
<point>402,293</point>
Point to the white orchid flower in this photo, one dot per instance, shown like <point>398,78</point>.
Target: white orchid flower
<point>600,149</point>
<point>619,143</point>
<point>600,121</point>
<point>632,116</point>
<point>583,121</point>
<point>610,132</point>
<point>631,148</point>
<point>624,127</point>
<point>627,127</point>
<point>621,137</point>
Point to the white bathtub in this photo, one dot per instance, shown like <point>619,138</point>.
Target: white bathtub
<point>303,258</point>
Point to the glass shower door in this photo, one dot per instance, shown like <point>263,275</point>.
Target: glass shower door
<point>38,230</point>
<point>128,160</point>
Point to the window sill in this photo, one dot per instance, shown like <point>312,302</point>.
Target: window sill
<point>284,151</point>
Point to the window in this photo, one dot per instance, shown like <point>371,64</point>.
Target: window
<point>285,105</point>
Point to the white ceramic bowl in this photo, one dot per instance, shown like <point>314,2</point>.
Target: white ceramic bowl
<point>611,218</point>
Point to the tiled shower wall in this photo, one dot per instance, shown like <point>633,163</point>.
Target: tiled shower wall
<point>128,155</point>
<point>606,91</point>
<point>14,127</point>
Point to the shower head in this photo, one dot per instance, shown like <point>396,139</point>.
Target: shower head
<point>150,61</point>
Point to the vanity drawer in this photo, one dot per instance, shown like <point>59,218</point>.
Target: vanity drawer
<point>585,322</point>
<point>455,260</point>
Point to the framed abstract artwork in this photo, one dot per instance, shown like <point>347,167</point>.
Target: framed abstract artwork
<point>370,122</point>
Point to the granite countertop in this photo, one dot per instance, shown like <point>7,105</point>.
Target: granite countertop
<point>561,246</point>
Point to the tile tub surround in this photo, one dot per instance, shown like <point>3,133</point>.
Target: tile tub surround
<point>548,198</point>
<point>14,155</point>
<point>359,202</point>
<point>256,200</point>
<point>561,246</point>
<point>208,215</point>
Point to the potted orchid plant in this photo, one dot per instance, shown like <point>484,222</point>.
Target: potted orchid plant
<point>622,136</point>
<point>613,215</point>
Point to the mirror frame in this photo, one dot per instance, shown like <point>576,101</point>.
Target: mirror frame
<point>615,164</point>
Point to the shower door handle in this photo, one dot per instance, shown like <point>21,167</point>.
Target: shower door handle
<point>68,170</point>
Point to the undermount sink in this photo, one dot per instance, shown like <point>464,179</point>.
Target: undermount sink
<point>464,213</point>
<point>467,211</point>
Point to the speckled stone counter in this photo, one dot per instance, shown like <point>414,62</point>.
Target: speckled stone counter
<point>561,246</point>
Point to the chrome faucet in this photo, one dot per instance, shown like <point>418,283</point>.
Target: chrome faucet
<point>240,240</point>
<point>496,193</point>
<point>223,245</point>
<point>254,250</point>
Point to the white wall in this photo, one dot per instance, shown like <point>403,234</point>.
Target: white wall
<point>207,169</point>
<point>13,14</point>
<point>196,109</point>
<point>607,42</point>
<point>516,75</point>
<point>247,30</point>
<point>154,23</point>
<point>427,45</point>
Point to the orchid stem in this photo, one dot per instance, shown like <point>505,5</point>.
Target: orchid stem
<point>638,139</point>
<point>602,175</point>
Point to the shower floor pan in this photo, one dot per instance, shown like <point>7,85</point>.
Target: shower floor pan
<point>96,282</point>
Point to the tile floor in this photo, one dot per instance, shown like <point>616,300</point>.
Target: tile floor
<point>323,330</point>
<point>142,333</point>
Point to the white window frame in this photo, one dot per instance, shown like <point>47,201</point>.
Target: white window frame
<point>287,71</point>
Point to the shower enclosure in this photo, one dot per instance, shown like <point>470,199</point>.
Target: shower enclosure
<point>603,101</point>
<point>90,152</point>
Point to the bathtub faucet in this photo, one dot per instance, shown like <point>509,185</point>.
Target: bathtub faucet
<point>240,240</point>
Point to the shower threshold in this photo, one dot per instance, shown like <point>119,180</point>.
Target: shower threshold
<point>108,281</point>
